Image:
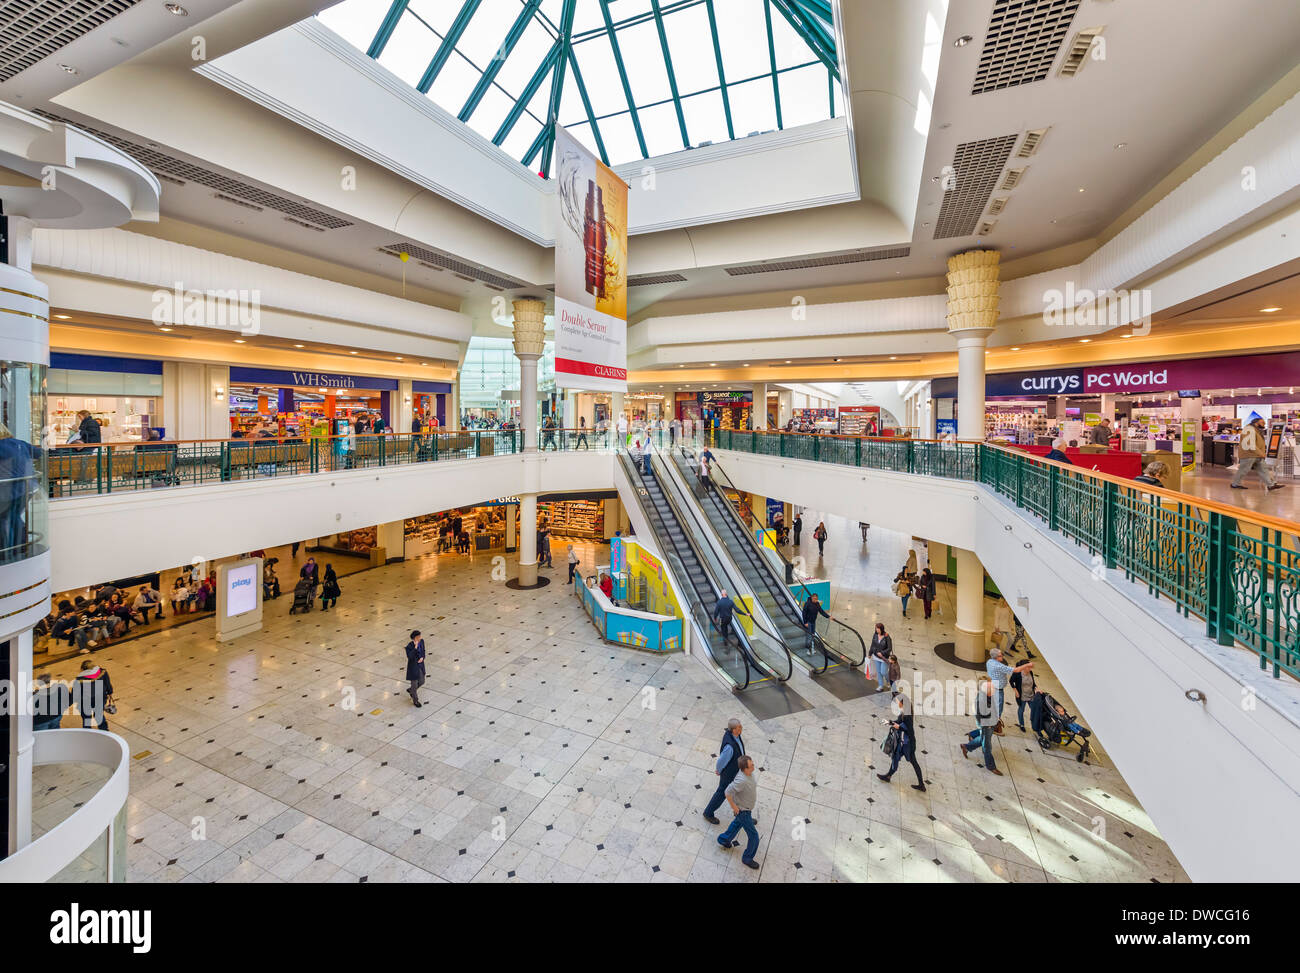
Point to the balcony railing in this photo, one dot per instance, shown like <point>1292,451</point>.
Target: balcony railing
<point>1236,570</point>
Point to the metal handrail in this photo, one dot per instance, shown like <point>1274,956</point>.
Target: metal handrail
<point>826,646</point>
<point>1231,567</point>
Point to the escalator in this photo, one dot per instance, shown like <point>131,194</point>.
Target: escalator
<point>756,663</point>
<point>836,647</point>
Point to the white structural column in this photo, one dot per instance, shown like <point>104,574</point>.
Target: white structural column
<point>758,411</point>
<point>615,408</point>
<point>528,540</point>
<point>530,342</point>
<point>972,315</point>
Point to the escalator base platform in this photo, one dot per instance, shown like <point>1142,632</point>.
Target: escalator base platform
<point>769,700</point>
<point>845,683</point>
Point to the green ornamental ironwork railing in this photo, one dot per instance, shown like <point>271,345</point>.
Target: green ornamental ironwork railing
<point>1236,570</point>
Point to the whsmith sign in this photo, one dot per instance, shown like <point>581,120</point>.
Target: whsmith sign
<point>311,380</point>
<point>1209,373</point>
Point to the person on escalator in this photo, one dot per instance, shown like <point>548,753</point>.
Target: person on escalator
<point>645,456</point>
<point>722,613</point>
<point>730,751</point>
<point>811,609</point>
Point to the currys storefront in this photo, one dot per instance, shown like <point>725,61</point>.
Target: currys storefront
<point>1146,402</point>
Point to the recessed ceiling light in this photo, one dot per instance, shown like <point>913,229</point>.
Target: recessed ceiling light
<point>351,352</point>
<point>963,40</point>
<point>239,341</point>
<point>1015,348</point>
<point>299,346</point>
<point>399,357</point>
<point>63,317</point>
<point>165,329</point>
<point>1081,189</point>
<point>69,68</point>
<point>176,9</point>
<point>1269,310</point>
<point>1128,335</point>
<point>713,364</point>
<point>787,361</point>
<point>1121,145</point>
<point>1084,341</point>
<point>893,358</point>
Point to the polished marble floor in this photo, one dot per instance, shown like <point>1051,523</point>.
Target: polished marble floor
<point>544,754</point>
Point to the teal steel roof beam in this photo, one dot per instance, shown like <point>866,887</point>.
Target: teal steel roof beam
<point>498,59</point>
<point>557,82</point>
<point>622,75</point>
<point>672,78</point>
<point>448,46</point>
<point>795,18</point>
<point>386,28</point>
<point>635,19</point>
<point>530,89</point>
<point>771,54</point>
<point>722,78</point>
<point>543,137</point>
<point>586,105</point>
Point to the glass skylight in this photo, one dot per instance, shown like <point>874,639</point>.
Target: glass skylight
<point>630,79</point>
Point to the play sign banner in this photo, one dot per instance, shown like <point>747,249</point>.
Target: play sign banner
<point>590,271</point>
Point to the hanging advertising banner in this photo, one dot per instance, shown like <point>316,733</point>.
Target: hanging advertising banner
<point>590,271</point>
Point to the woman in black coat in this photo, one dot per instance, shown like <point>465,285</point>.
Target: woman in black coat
<point>925,588</point>
<point>329,592</point>
<point>882,647</point>
<point>415,665</point>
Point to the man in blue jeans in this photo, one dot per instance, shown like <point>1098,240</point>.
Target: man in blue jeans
<point>742,793</point>
<point>986,713</point>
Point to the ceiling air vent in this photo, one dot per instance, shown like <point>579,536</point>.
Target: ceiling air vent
<point>180,172</point>
<point>1013,177</point>
<point>645,280</point>
<point>304,223</point>
<point>32,30</point>
<point>977,166</point>
<point>857,256</point>
<point>461,268</point>
<point>1080,48</point>
<point>1031,143</point>
<point>1022,41</point>
<point>998,204</point>
<point>238,202</point>
<point>986,227</point>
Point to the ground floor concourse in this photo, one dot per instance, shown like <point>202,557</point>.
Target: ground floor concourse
<point>544,754</point>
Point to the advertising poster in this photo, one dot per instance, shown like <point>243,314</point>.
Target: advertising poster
<point>1191,430</point>
<point>242,588</point>
<point>590,271</point>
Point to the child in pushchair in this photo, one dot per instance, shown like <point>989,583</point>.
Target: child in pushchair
<point>304,593</point>
<point>1054,727</point>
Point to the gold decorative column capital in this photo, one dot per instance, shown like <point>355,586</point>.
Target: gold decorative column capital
<point>973,291</point>
<point>530,327</point>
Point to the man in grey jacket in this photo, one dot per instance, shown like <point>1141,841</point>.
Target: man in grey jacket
<point>742,794</point>
<point>986,718</point>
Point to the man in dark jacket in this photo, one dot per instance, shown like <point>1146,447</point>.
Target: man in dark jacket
<point>1057,453</point>
<point>415,666</point>
<point>730,751</point>
<point>811,609</point>
<point>798,528</point>
<point>722,612</point>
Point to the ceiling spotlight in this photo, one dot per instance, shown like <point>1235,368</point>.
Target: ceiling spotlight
<point>299,346</point>
<point>1269,310</point>
<point>893,358</point>
<point>1084,341</point>
<point>1127,335</point>
<point>399,357</point>
<point>239,341</point>
<point>176,10</point>
<point>963,40</point>
<point>1121,145</point>
<point>351,352</point>
<point>63,317</point>
<point>787,361</point>
<point>713,364</point>
<point>164,329</point>
<point>1015,348</point>
<point>69,68</point>
<point>1081,189</point>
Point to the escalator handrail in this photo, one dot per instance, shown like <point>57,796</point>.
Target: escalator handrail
<point>778,593</point>
<point>675,557</point>
<point>673,501</point>
<point>715,465</point>
<point>742,636</point>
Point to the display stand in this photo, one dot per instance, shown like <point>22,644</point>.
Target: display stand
<point>239,598</point>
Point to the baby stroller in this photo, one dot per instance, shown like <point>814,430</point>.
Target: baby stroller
<point>304,593</point>
<point>1055,727</point>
